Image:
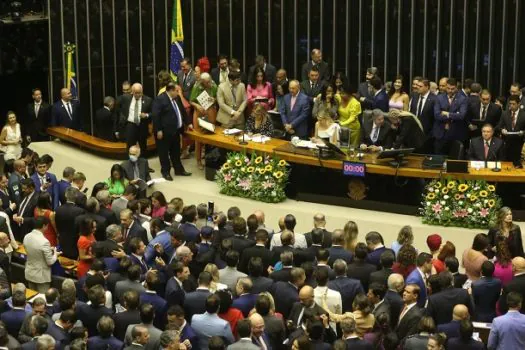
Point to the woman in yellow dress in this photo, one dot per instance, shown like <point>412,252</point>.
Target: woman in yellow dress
<point>349,111</point>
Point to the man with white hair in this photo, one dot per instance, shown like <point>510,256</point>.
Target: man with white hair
<point>135,113</point>
<point>295,111</point>
<point>45,342</point>
<point>396,283</point>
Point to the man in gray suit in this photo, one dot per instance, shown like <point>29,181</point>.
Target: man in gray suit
<point>244,329</point>
<point>232,100</point>
<point>147,314</point>
<point>40,257</point>
<point>140,338</point>
<point>376,295</point>
<point>186,78</point>
<point>229,275</point>
<point>136,168</point>
<point>132,283</point>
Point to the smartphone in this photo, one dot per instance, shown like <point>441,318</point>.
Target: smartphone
<point>211,209</point>
<point>48,179</point>
<point>85,190</point>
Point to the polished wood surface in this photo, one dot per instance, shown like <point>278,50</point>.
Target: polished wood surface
<point>66,263</point>
<point>91,142</point>
<point>285,150</point>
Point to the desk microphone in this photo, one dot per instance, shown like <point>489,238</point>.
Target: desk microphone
<point>496,169</point>
<point>243,142</point>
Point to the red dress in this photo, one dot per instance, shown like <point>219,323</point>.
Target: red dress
<point>50,233</point>
<point>233,316</point>
<point>84,242</point>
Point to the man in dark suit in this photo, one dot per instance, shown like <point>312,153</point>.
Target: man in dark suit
<point>450,118</point>
<point>360,269</point>
<point>150,296</point>
<point>14,318</point>
<point>422,106</point>
<point>295,111</point>
<point>135,112</point>
<point>325,239</point>
<point>220,73</point>
<point>347,287</point>
<point>46,181</point>
<point>485,293</point>
<point>287,262</point>
<point>394,299</point>
<point>364,92</point>
<point>386,261</point>
<point>59,329</point>
<point>105,339</point>
<point>258,250</point>
<point>408,131</point>
<point>379,98</point>
<point>374,242</point>
<point>484,112</point>
<point>376,295</point>
<point>312,86</point>
<point>136,248</point>
<point>66,112</point>
<point>130,301</point>
<point>195,302</point>
<point>286,294</point>
<point>136,168</point>
<point>419,276</point>
<point>36,120</point>
<point>131,228</point>
<point>440,305</point>
<point>245,300</point>
<point>90,314</point>
<point>351,337</point>
<point>376,134</point>
<point>186,78</point>
<point>337,251</point>
<point>306,301</point>
<point>65,216</point>
<point>486,147</point>
<point>410,314</point>
<point>13,184</point>
<point>169,116</point>
<point>175,293</point>
<point>269,70</point>
<point>255,272</point>
<point>451,329</point>
<point>239,240</point>
<point>106,120</point>
<point>24,218</point>
<point>512,121</point>
<point>317,62</point>
<point>517,284</point>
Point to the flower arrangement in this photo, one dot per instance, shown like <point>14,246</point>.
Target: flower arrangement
<point>470,203</point>
<point>262,178</point>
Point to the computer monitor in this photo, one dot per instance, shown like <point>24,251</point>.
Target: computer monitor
<point>397,154</point>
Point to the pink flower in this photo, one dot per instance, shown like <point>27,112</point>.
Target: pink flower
<point>227,177</point>
<point>267,184</point>
<point>484,212</point>
<point>461,213</point>
<point>437,208</point>
<point>246,160</point>
<point>245,184</point>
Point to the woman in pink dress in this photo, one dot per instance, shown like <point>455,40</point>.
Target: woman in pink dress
<point>259,90</point>
<point>158,205</point>
<point>473,257</point>
<point>84,243</point>
<point>503,263</point>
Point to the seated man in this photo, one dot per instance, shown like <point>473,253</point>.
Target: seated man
<point>376,135</point>
<point>486,147</point>
<point>408,130</point>
<point>295,112</point>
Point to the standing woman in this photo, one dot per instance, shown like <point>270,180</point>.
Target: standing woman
<point>84,243</point>
<point>398,97</point>
<point>44,208</point>
<point>207,84</point>
<point>158,205</point>
<point>351,231</point>
<point>11,138</point>
<point>349,111</point>
<point>507,231</point>
<point>116,182</point>
<point>326,103</point>
<point>260,90</point>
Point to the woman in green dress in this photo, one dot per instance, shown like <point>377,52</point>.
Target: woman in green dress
<point>117,182</point>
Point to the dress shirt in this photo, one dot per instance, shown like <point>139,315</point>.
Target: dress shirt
<point>68,107</point>
<point>425,98</point>
<point>292,101</point>
<point>483,113</point>
<point>406,309</point>
<point>377,305</point>
<point>37,107</point>
<point>131,115</point>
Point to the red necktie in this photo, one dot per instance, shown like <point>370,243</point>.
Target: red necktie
<point>513,120</point>
<point>486,149</point>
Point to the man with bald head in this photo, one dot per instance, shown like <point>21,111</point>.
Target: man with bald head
<point>451,329</point>
<point>295,112</point>
<point>306,301</point>
<point>259,336</point>
<point>516,285</point>
<point>317,62</point>
<point>66,111</point>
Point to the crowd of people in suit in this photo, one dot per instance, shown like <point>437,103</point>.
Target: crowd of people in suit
<point>156,274</point>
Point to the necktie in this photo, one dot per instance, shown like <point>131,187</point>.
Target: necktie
<point>292,102</point>
<point>450,100</point>
<point>136,119</point>
<point>486,149</point>
<point>177,114</point>
<point>184,80</point>
<point>420,106</point>
<point>312,86</point>
<point>300,317</point>
<point>513,120</point>
<point>375,134</point>
<point>402,314</point>
<point>23,206</point>
<point>135,170</point>
<point>233,97</point>
<point>260,342</point>
<point>68,107</point>
<point>484,112</point>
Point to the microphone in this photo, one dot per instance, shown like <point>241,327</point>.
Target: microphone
<point>496,169</point>
<point>243,142</point>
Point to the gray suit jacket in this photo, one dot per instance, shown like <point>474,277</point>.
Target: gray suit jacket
<point>243,344</point>
<point>119,205</point>
<point>123,286</point>
<point>40,257</point>
<point>154,336</point>
<point>143,169</point>
<point>229,276</point>
<point>188,84</point>
<point>225,100</point>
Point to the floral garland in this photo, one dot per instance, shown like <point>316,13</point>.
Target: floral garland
<point>470,203</point>
<point>262,178</point>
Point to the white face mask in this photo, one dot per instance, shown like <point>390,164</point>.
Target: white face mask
<point>133,158</point>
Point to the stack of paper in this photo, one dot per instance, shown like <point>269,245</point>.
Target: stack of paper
<point>232,131</point>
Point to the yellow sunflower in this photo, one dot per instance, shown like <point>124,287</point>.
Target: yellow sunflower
<point>282,162</point>
<point>457,197</point>
<point>444,190</point>
<point>438,185</point>
<point>451,185</point>
<point>226,166</point>
<point>483,193</point>
<point>491,203</point>
<point>431,196</point>
<point>463,187</point>
<point>278,174</point>
<point>268,168</point>
<point>261,171</point>
<point>473,198</point>
<point>491,188</point>
<point>238,163</point>
<point>258,160</point>
<point>250,169</point>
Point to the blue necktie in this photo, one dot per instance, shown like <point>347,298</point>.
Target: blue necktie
<point>176,109</point>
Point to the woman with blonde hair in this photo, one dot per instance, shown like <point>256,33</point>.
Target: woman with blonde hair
<point>506,230</point>
<point>11,138</point>
<point>259,122</point>
<point>362,314</point>
<point>405,236</point>
<point>326,128</point>
<point>215,285</point>
<point>351,232</point>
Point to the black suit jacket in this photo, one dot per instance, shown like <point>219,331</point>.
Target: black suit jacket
<point>143,169</point>
<point>299,255</point>
<point>164,117</point>
<point>240,243</point>
<point>282,275</point>
<point>409,323</point>
<point>123,320</point>
<point>195,303</point>
<point>327,239</point>
<point>28,214</point>
<point>361,271</point>
<point>380,276</point>
<point>256,251</point>
<point>136,230</point>
<point>409,135</point>
<point>324,70</point>
<point>60,116</point>
<point>285,295</point>
<point>104,248</point>
<point>90,315</point>
<point>261,284</point>
<point>297,307</point>
<point>105,124</point>
<point>477,149</point>
<point>35,125</point>
<point>269,72</point>
<point>109,214</point>
<point>441,304</point>
<point>517,284</point>
<point>65,216</point>
<point>492,115</point>
<point>349,288</point>
<point>396,305</point>
<point>506,121</point>
<point>125,103</point>
<point>307,89</point>
<point>427,113</point>
<point>384,139</point>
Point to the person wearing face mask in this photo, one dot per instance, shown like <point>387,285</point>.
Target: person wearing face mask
<point>136,168</point>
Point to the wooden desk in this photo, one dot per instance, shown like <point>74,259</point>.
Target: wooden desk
<point>29,292</point>
<point>285,150</point>
<point>93,143</point>
<point>66,263</point>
